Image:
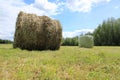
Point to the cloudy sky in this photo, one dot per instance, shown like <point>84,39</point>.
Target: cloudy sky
<point>76,16</point>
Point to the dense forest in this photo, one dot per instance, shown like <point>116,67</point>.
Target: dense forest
<point>108,33</point>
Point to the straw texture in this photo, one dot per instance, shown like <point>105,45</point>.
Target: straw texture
<point>37,32</point>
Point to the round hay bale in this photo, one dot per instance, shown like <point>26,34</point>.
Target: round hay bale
<point>37,32</point>
<point>86,41</point>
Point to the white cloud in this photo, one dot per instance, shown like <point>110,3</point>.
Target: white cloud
<point>9,10</point>
<point>46,6</point>
<point>83,5</point>
<point>76,32</point>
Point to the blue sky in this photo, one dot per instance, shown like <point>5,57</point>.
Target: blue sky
<point>89,20</point>
<point>76,16</point>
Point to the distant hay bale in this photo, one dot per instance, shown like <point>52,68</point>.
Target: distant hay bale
<point>37,32</point>
<point>86,41</point>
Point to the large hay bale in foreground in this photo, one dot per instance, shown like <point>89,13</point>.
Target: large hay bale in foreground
<point>86,41</point>
<point>37,32</point>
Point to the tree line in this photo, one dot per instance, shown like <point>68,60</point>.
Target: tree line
<point>5,41</point>
<point>70,41</point>
<point>108,33</point>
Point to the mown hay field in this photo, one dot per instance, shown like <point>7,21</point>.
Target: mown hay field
<point>68,63</point>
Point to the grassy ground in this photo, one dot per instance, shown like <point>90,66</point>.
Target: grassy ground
<point>68,63</point>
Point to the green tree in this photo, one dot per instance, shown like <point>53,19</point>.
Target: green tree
<point>108,33</point>
<point>5,41</point>
<point>70,41</point>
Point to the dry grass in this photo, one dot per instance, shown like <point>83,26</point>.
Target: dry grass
<point>69,63</point>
